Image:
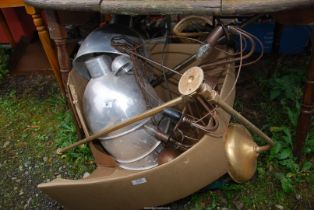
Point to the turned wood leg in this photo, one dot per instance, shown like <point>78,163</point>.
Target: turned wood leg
<point>6,30</point>
<point>59,35</point>
<point>304,123</point>
<point>46,43</point>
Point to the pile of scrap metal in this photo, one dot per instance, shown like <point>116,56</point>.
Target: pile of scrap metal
<point>160,109</point>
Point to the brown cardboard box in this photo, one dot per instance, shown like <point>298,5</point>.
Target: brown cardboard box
<point>110,187</point>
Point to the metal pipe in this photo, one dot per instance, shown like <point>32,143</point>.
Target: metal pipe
<point>203,51</point>
<point>242,119</point>
<point>127,122</point>
<point>214,36</point>
<point>245,23</point>
<point>214,97</point>
<point>262,148</point>
<point>150,60</point>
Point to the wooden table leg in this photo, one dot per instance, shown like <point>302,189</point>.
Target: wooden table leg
<point>304,123</point>
<point>275,49</point>
<point>59,35</point>
<point>6,30</point>
<point>46,43</point>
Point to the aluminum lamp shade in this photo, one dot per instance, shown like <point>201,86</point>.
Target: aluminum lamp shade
<point>110,99</point>
<point>99,42</point>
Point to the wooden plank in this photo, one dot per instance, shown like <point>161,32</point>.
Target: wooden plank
<point>199,7</point>
<point>80,5</point>
<point>133,7</point>
<point>261,6</point>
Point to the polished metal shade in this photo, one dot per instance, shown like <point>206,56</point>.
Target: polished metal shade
<point>110,99</point>
<point>99,42</point>
<point>241,153</point>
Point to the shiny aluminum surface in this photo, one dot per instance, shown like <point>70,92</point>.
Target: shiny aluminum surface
<point>131,147</point>
<point>148,162</point>
<point>121,63</point>
<point>99,41</point>
<point>110,99</point>
<point>98,66</point>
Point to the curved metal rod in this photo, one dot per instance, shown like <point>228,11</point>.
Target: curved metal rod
<point>231,60</point>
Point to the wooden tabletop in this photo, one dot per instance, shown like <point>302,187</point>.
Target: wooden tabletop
<point>200,7</point>
<point>11,3</point>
